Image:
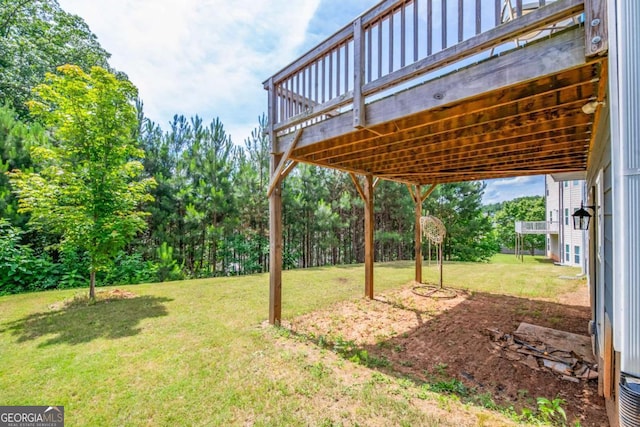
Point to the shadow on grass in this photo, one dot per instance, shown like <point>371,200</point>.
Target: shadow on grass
<point>78,323</point>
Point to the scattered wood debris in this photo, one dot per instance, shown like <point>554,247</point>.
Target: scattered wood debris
<point>528,349</point>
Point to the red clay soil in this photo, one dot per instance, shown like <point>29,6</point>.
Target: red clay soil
<point>428,339</point>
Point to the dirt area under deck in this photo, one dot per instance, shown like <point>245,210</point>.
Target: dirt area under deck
<point>427,338</point>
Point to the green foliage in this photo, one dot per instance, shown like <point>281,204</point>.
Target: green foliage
<point>87,187</point>
<point>74,263</point>
<point>36,36</point>
<point>531,208</point>
<point>451,386</point>
<point>16,138</point>
<point>469,231</point>
<point>167,268</point>
<point>194,208</point>
<point>551,410</point>
<point>129,269</point>
<point>21,269</point>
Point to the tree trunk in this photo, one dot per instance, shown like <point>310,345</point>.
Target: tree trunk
<point>92,284</point>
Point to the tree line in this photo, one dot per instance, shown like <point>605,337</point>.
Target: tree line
<point>195,203</point>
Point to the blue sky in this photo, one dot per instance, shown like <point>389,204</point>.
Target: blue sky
<point>210,57</point>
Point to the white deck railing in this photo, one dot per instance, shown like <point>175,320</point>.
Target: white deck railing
<point>536,227</point>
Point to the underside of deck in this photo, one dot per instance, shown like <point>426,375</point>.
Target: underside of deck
<point>513,115</point>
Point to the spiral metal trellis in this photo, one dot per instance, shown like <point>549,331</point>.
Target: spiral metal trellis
<point>434,230</point>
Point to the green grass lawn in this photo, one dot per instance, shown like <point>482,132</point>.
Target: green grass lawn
<point>195,353</point>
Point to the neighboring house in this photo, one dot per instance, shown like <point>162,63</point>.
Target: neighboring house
<point>563,197</point>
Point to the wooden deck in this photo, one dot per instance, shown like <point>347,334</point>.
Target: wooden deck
<point>425,92</point>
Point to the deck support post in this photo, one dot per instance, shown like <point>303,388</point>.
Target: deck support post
<point>275,214</point>
<point>366,194</point>
<point>275,247</point>
<point>368,237</point>
<point>417,200</point>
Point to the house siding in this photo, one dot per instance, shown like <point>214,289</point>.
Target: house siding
<point>601,278</point>
<point>562,200</point>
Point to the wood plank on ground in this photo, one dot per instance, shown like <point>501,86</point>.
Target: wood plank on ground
<point>579,344</point>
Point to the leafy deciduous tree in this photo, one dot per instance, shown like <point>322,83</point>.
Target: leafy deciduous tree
<point>88,186</point>
<point>469,232</point>
<point>530,208</point>
<point>36,36</point>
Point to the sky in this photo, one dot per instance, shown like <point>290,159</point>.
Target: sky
<point>210,57</point>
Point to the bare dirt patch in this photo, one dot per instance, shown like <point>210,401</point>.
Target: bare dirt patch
<point>428,339</point>
<point>101,296</point>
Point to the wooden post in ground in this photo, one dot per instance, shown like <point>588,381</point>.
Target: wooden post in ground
<point>368,237</point>
<point>275,248</point>
<point>275,216</point>
<point>440,262</point>
<point>417,199</point>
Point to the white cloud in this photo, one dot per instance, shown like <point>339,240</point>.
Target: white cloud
<point>500,190</point>
<point>519,180</point>
<point>205,57</point>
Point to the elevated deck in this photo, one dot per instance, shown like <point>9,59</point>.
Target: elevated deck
<point>536,227</point>
<point>502,113</point>
<point>433,91</point>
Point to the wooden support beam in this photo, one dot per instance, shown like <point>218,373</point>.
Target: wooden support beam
<point>596,35</point>
<point>275,218</point>
<point>366,194</point>
<point>275,247</point>
<point>413,195</point>
<point>428,192</point>
<point>359,189</point>
<point>368,237</point>
<point>287,170</point>
<point>417,197</point>
<point>277,174</point>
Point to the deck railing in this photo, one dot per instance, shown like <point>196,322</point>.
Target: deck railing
<point>536,227</point>
<point>402,40</point>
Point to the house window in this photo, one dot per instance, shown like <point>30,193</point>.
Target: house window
<point>566,216</point>
<point>550,216</point>
<point>576,182</point>
<point>567,254</point>
<point>576,251</point>
<point>566,184</point>
<point>548,244</point>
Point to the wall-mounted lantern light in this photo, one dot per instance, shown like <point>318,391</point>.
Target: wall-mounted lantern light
<point>582,217</point>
